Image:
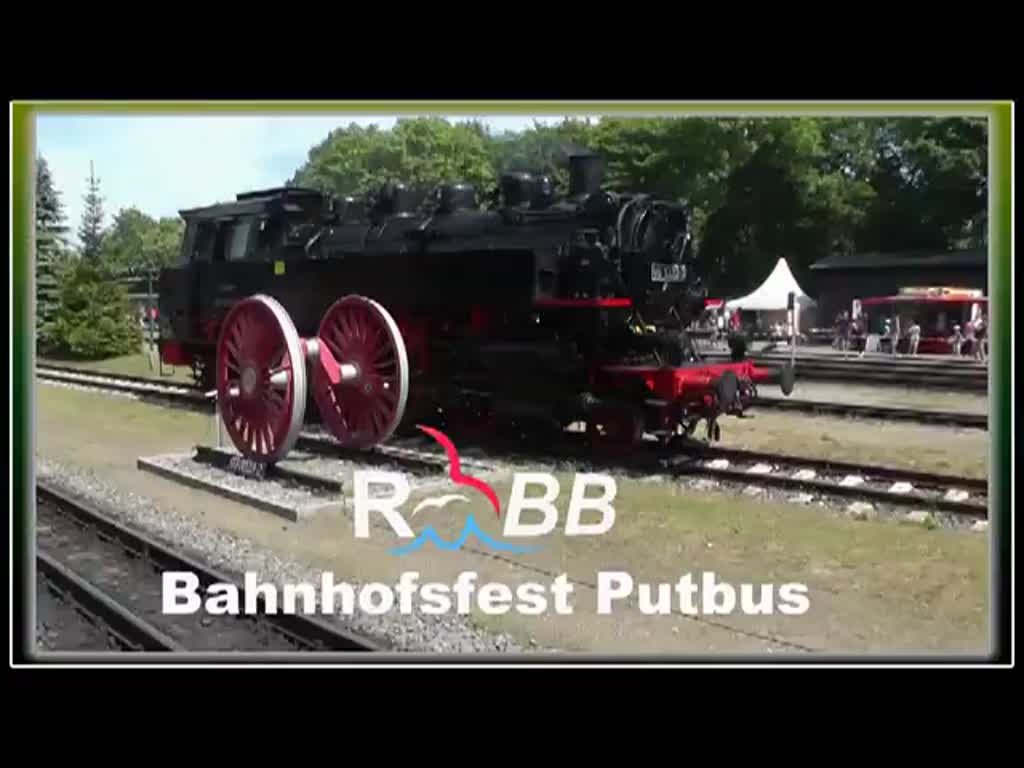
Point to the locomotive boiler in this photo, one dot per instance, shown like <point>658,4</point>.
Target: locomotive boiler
<point>525,311</point>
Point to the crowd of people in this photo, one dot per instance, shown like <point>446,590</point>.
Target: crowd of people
<point>892,335</point>
<point>969,340</point>
<point>720,323</point>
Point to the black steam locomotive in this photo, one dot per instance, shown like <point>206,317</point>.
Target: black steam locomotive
<point>527,310</point>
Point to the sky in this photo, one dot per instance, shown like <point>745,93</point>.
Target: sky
<point>161,164</point>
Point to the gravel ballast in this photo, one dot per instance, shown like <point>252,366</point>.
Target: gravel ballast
<point>287,498</point>
<point>416,633</point>
<point>60,627</point>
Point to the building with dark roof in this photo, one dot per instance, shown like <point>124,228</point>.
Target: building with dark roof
<point>840,279</point>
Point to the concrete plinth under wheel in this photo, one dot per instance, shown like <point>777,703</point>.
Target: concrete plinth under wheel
<point>285,492</point>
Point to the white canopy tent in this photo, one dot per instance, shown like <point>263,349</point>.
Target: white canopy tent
<point>772,297</point>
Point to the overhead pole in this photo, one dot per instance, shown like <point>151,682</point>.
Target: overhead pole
<point>791,311</point>
<point>149,319</point>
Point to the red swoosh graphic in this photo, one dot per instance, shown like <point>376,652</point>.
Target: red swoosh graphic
<point>456,473</point>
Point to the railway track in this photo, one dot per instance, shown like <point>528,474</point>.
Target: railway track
<point>125,630</point>
<point>963,496</point>
<point>899,487</point>
<point>113,573</point>
<point>931,374</point>
<point>186,394</point>
<point>916,416</point>
<point>55,369</point>
<point>820,477</point>
<point>140,386</point>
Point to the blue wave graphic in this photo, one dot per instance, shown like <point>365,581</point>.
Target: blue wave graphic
<point>428,534</point>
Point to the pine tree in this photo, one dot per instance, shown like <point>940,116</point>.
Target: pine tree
<point>90,233</point>
<point>51,247</point>
<point>95,318</point>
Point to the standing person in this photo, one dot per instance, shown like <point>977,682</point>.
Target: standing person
<point>843,331</point>
<point>957,341</point>
<point>969,339</point>
<point>982,337</point>
<point>913,336</point>
<point>896,335</point>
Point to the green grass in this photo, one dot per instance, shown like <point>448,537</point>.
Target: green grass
<point>98,422</point>
<point>890,396</point>
<point>899,444</point>
<point>139,364</point>
<point>875,586</point>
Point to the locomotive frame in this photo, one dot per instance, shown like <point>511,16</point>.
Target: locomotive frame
<point>530,314</point>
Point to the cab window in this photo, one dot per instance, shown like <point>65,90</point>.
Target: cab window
<point>237,240</point>
<point>203,241</point>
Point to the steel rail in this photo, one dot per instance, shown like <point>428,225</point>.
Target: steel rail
<point>832,465</point>
<point>129,630</point>
<point>931,375</point>
<point>54,369</point>
<point>642,461</point>
<point>830,488</point>
<point>193,396</point>
<point>654,458</point>
<point>305,631</point>
<point>174,394</point>
<point>861,411</point>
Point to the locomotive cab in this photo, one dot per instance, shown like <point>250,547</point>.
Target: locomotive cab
<point>226,247</point>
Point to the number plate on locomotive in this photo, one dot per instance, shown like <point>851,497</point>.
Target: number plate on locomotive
<point>668,273</point>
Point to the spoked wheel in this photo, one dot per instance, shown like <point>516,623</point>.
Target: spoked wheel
<point>261,378</point>
<point>363,400</point>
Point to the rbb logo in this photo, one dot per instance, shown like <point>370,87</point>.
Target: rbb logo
<point>396,493</point>
<point>531,511</point>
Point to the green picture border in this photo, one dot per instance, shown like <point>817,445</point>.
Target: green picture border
<point>1000,115</point>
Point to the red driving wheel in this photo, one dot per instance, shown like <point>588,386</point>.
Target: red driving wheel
<point>366,402</point>
<point>261,378</point>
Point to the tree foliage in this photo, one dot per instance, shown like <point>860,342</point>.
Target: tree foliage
<point>90,231</point>
<point>136,243</point>
<point>95,318</point>
<point>758,188</point>
<point>51,254</point>
<point>420,153</point>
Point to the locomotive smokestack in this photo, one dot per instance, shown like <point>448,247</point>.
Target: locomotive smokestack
<point>586,172</point>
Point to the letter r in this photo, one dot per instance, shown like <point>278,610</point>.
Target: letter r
<point>364,503</point>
